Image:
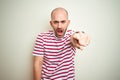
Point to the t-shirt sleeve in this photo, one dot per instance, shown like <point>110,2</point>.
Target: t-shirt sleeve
<point>73,49</point>
<point>39,47</point>
<point>72,32</point>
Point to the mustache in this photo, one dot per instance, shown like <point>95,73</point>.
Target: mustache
<point>59,29</point>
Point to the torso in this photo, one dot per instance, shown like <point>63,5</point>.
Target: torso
<point>58,57</point>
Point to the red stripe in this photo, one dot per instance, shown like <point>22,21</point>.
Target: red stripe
<point>66,76</point>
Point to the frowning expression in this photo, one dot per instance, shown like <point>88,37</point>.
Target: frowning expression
<point>59,22</point>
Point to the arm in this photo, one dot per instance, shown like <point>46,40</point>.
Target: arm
<point>38,60</point>
<point>80,40</point>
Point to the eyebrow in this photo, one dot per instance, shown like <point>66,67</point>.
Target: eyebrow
<point>59,21</point>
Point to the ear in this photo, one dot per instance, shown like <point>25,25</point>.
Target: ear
<point>68,22</point>
<point>51,23</point>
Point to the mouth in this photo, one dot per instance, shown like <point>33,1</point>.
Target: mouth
<point>59,32</point>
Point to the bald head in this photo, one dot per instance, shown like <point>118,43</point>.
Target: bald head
<point>59,10</point>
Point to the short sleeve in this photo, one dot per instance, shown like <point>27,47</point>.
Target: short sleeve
<point>71,32</point>
<point>39,47</point>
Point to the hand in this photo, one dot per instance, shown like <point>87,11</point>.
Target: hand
<point>80,40</point>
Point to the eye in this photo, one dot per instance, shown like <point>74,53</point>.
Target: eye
<point>63,21</point>
<point>55,22</point>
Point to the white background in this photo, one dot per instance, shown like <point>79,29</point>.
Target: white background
<point>22,20</point>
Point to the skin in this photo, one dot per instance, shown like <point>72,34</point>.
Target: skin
<point>59,22</point>
<point>37,67</point>
<point>80,40</point>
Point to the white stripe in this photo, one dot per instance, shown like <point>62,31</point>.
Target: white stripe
<point>37,55</point>
<point>62,71</point>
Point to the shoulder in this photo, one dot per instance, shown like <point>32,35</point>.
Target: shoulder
<point>45,34</point>
<point>69,32</point>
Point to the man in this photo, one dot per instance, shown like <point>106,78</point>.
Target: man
<point>54,50</point>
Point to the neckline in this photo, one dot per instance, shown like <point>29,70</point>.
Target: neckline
<point>52,31</point>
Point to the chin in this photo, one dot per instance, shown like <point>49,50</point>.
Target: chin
<point>60,36</point>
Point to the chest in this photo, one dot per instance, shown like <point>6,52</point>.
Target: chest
<point>56,46</point>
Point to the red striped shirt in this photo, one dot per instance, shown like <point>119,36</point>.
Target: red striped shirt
<point>58,56</point>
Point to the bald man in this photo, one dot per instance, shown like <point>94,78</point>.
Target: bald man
<point>54,50</point>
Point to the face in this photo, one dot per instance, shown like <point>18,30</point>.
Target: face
<point>59,22</point>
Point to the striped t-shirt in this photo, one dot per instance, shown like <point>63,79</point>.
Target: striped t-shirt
<point>58,54</point>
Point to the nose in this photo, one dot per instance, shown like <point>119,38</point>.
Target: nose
<point>59,25</point>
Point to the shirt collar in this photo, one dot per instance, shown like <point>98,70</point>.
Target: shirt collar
<point>52,33</point>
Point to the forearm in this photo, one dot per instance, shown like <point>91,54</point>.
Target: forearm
<point>38,61</point>
<point>74,42</point>
<point>37,72</point>
<point>80,40</point>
